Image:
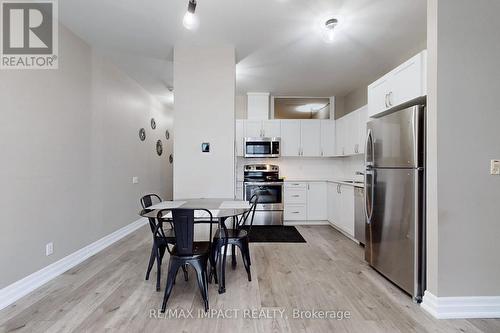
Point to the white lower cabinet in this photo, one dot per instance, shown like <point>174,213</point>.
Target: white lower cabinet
<point>341,207</point>
<point>316,201</point>
<point>305,201</point>
<point>312,202</point>
<point>295,212</point>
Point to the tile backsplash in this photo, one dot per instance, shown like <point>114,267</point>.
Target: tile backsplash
<point>309,168</point>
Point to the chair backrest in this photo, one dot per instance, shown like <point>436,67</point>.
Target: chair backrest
<point>183,220</point>
<point>247,218</point>
<point>149,200</point>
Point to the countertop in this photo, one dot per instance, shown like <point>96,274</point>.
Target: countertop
<point>336,181</point>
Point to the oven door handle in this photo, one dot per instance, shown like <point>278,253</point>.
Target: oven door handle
<point>263,183</point>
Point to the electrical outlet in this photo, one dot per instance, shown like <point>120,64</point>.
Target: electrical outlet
<point>135,180</point>
<point>495,167</point>
<point>49,249</point>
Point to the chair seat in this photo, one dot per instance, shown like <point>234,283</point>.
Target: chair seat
<point>231,233</point>
<point>199,249</point>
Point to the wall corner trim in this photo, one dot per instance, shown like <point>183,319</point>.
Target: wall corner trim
<point>461,307</point>
<point>26,285</point>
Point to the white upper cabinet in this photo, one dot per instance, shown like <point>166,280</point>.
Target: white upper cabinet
<point>290,137</point>
<point>339,136</point>
<point>402,84</point>
<point>328,138</point>
<point>253,129</point>
<point>258,106</point>
<point>377,96</point>
<point>310,135</point>
<point>271,128</point>
<point>261,129</point>
<point>362,120</point>
<point>239,137</point>
<point>350,132</point>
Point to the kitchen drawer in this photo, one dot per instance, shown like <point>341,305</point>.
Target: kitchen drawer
<point>295,185</point>
<point>295,196</point>
<point>295,212</point>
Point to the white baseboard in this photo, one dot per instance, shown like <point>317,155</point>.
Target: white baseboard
<point>345,233</point>
<point>461,307</point>
<point>18,289</point>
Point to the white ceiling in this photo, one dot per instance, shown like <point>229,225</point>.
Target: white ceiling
<point>278,46</point>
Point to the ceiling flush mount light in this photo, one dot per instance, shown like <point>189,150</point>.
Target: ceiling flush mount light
<point>190,20</point>
<point>329,28</point>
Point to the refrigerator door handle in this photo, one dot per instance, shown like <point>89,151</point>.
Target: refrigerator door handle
<point>369,149</point>
<point>369,194</point>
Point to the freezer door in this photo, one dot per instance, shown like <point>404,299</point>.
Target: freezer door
<point>394,229</point>
<point>397,139</point>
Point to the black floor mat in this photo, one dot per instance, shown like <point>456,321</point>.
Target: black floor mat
<point>275,234</point>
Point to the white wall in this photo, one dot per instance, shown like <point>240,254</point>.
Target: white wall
<point>464,114</point>
<point>204,80</point>
<point>69,149</point>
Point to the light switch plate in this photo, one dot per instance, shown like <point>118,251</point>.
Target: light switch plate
<point>49,249</point>
<point>495,167</point>
<point>135,180</point>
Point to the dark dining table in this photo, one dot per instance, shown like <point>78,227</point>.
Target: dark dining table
<point>220,208</point>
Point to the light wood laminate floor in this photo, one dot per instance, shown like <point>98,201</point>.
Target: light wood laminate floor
<point>108,293</point>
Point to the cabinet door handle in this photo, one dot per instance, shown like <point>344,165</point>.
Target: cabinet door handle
<point>389,98</point>
<point>295,212</point>
<point>295,196</point>
<point>308,186</point>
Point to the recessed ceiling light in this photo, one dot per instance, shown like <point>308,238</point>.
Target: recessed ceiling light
<point>190,20</point>
<point>329,28</point>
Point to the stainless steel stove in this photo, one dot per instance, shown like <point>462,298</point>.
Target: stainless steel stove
<point>264,179</point>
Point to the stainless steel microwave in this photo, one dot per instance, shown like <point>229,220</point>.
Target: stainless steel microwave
<point>262,147</point>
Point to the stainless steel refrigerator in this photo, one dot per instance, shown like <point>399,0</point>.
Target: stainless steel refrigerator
<point>395,196</point>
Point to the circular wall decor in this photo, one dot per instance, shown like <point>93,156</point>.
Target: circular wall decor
<point>153,123</point>
<point>167,134</point>
<point>171,158</point>
<point>142,134</point>
<point>159,147</point>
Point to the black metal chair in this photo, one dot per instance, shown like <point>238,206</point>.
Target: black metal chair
<point>161,237</point>
<point>238,236</point>
<point>186,251</point>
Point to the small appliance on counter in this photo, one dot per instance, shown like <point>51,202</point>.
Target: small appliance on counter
<point>264,179</point>
<point>262,147</point>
